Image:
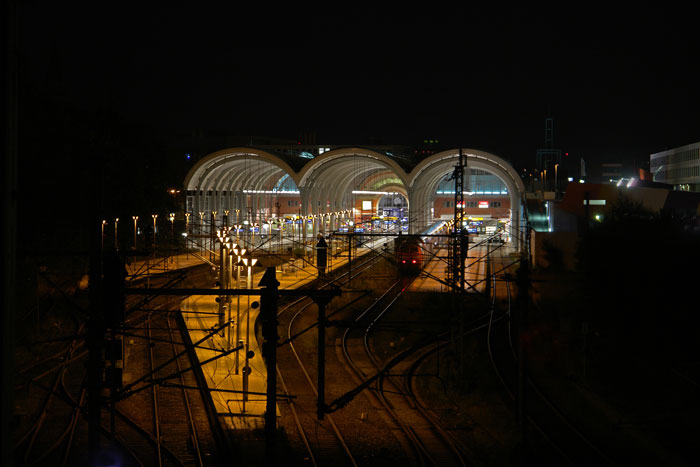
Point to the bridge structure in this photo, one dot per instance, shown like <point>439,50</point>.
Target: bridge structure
<point>276,193</point>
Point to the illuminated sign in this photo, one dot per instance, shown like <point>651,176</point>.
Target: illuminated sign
<point>483,204</point>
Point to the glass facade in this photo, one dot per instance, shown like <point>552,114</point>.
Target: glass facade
<point>679,167</point>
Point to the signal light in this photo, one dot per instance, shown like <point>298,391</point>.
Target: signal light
<point>413,261</point>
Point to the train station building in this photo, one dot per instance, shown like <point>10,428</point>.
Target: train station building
<point>348,189</point>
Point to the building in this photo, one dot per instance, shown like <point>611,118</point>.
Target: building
<point>561,222</point>
<point>333,188</point>
<point>679,167</point>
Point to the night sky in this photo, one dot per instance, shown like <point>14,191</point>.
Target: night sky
<point>620,84</point>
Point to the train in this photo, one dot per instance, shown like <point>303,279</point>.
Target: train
<point>412,252</point>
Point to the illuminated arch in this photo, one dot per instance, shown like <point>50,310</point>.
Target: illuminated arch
<point>331,176</point>
<point>425,177</point>
<point>224,179</point>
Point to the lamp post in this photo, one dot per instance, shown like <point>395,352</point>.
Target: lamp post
<point>171,218</point>
<point>154,216</point>
<point>238,252</point>
<point>174,192</point>
<point>253,225</point>
<point>249,262</point>
<point>544,180</point>
<point>237,227</point>
<point>104,222</point>
<point>136,219</point>
<point>116,242</point>
<point>280,226</point>
<point>223,275</point>
<point>556,166</point>
<point>229,280</point>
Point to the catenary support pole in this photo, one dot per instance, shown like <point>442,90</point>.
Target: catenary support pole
<point>268,315</point>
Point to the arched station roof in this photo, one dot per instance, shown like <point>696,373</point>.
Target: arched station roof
<point>428,173</point>
<point>334,174</point>
<point>238,168</point>
<point>326,182</point>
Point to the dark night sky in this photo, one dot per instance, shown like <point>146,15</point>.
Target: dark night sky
<point>620,84</point>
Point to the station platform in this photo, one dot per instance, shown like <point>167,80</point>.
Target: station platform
<point>225,375</point>
<point>149,266</point>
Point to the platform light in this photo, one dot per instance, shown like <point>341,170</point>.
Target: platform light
<point>363,192</point>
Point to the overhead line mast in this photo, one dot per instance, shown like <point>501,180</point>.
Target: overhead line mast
<point>459,243</point>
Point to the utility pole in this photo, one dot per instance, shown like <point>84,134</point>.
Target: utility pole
<point>523,281</point>
<point>113,304</point>
<point>459,252</point>
<point>269,294</point>
<point>268,316</point>
<point>321,301</point>
<point>458,244</point>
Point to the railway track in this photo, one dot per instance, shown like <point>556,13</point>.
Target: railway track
<point>547,433</point>
<point>418,438</point>
<point>427,441</point>
<point>333,440</point>
<point>158,424</point>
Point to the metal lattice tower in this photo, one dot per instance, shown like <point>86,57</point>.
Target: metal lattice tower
<point>548,156</point>
<point>459,247</point>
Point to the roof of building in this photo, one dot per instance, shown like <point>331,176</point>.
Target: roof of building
<point>654,199</point>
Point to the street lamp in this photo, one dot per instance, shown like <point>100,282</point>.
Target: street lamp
<point>223,275</point>
<point>116,242</point>
<point>237,227</point>
<point>544,180</point>
<point>174,192</point>
<point>104,222</point>
<point>249,262</point>
<point>253,225</point>
<point>154,216</point>
<point>556,166</point>
<point>136,219</point>
<point>238,252</point>
<point>171,217</point>
<point>187,222</point>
